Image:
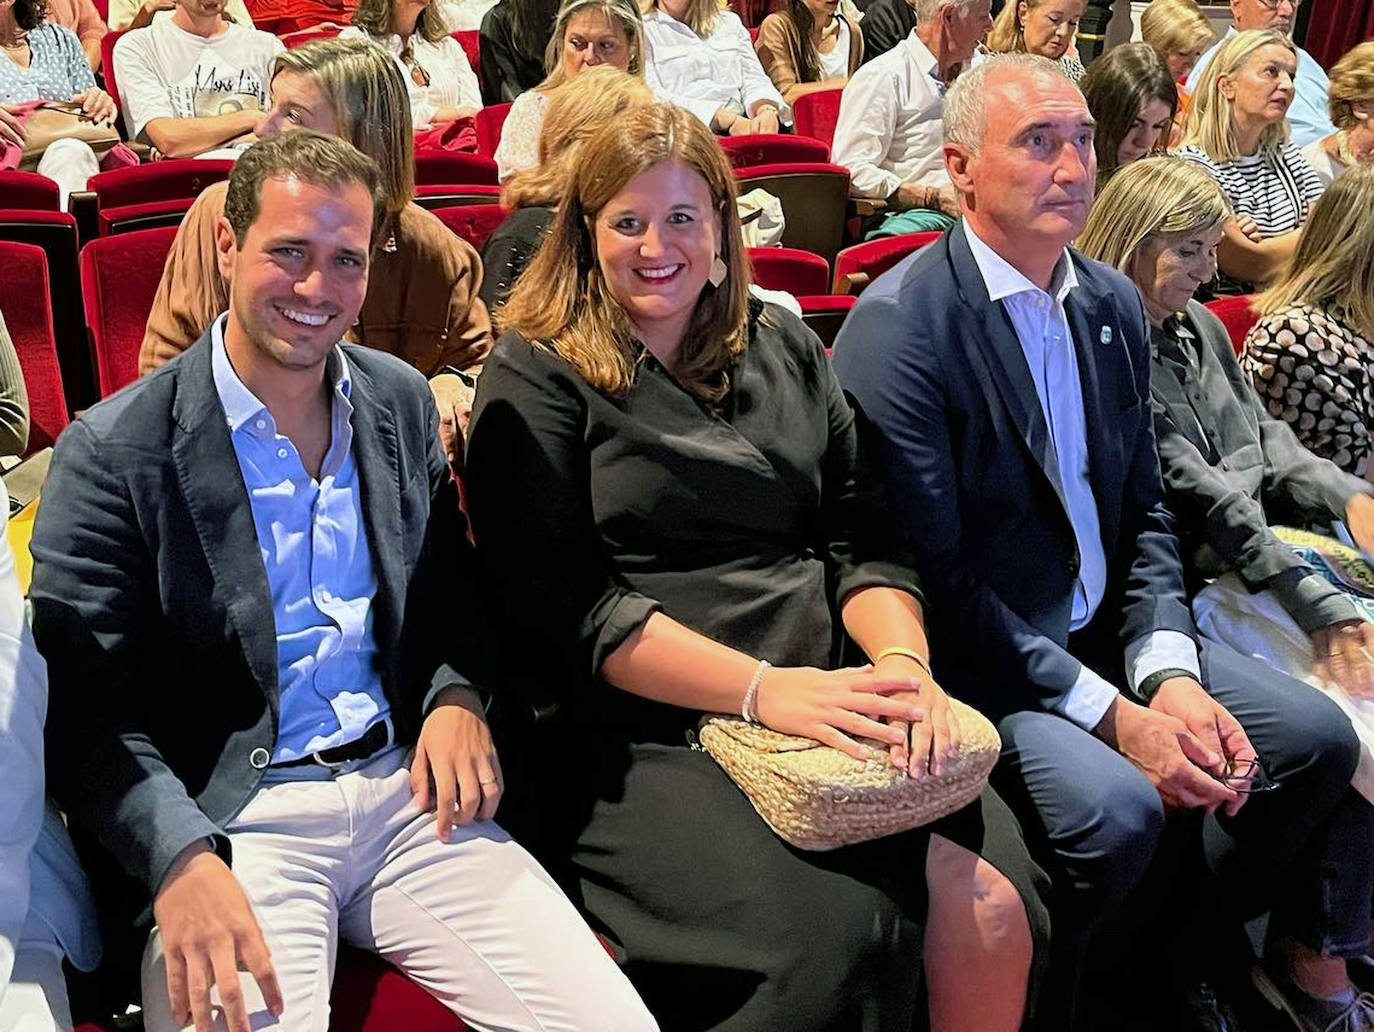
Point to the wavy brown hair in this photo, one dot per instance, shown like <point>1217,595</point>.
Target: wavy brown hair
<point>375,17</point>
<point>1117,86</point>
<point>562,303</point>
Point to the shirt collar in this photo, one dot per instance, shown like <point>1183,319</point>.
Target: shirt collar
<point>1003,280</point>
<point>241,404</point>
<point>922,58</point>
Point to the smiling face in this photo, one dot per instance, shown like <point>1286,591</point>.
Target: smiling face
<point>298,280</point>
<point>298,103</point>
<point>1169,269</point>
<point>655,242</point>
<point>1049,28</point>
<point>1261,89</point>
<point>1151,122</point>
<point>593,37</point>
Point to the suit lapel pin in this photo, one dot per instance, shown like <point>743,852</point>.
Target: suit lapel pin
<point>1106,336</point>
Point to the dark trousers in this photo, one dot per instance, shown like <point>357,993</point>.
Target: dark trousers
<point>1091,818</point>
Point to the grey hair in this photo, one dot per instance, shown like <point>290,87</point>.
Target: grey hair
<point>966,110</point>
<point>926,10</point>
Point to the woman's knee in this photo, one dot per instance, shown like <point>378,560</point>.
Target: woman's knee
<point>959,879</point>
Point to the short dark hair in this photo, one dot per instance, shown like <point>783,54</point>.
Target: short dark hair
<point>29,14</point>
<point>304,154</point>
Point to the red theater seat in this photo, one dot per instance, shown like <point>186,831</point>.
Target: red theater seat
<point>825,315</point>
<point>27,306</point>
<point>473,222</point>
<point>815,114</point>
<point>119,279</point>
<point>786,268</point>
<point>858,266</point>
<point>303,36</point>
<point>488,123</point>
<point>156,194</point>
<point>815,201</point>
<point>438,196</point>
<point>772,149</point>
<point>1237,316</point>
<point>107,71</point>
<point>29,190</point>
<point>449,168</point>
<point>471,42</point>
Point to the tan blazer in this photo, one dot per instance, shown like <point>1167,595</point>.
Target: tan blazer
<point>422,300</point>
<point>779,47</point>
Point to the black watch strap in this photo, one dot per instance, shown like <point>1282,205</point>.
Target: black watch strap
<point>468,379</point>
<point>1151,684</point>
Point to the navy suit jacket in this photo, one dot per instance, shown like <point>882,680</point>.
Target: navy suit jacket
<point>952,410</point>
<point>152,606</point>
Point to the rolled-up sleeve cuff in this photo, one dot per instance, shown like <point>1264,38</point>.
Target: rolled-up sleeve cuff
<point>1087,702</point>
<point>1161,650</point>
<point>614,621</point>
<point>447,677</point>
<point>877,574</point>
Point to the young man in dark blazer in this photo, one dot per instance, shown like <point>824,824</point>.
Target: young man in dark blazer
<point>1006,380</point>
<point>253,591</point>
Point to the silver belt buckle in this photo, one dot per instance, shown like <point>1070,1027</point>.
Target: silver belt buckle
<point>390,737</point>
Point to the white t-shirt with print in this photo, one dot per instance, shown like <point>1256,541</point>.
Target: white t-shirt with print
<point>164,71</point>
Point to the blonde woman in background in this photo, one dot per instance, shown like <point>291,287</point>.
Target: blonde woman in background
<point>699,56</point>
<point>1180,34</point>
<point>1044,27</point>
<point>1351,98</point>
<point>1238,132</point>
<point>1310,354</point>
<point>586,33</point>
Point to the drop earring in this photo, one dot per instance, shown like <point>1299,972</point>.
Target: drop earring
<point>718,272</point>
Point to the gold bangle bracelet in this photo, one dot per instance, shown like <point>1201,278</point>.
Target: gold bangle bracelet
<point>902,650</point>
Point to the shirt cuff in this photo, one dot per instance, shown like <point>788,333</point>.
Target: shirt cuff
<point>1087,702</point>
<point>1161,650</point>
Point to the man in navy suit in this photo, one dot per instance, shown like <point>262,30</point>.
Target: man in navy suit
<point>1005,381</point>
<point>253,591</point>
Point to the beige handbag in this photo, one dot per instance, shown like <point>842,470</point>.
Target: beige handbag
<point>63,120</point>
<point>816,797</point>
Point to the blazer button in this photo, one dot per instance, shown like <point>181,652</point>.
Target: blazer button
<point>259,758</point>
<point>1071,566</point>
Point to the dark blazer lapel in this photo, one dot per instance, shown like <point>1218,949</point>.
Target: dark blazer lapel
<point>375,451</point>
<point>207,470</point>
<point>993,338</point>
<point>1100,350</point>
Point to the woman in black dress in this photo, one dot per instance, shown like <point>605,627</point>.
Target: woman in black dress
<point>665,482</point>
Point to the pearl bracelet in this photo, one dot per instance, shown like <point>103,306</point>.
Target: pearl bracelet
<point>751,694</point>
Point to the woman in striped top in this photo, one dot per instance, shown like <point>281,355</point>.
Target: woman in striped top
<point>1238,131</point>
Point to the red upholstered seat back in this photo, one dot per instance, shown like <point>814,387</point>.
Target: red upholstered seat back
<point>27,307</point>
<point>28,190</point>
<point>772,149</point>
<point>119,279</point>
<point>452,168</point>
<point>815,115</point>
<point>161,183</point>
<point>786,268</point>
<point>815,200</point>
<point>488,124</point>
<point>875,257</point>
<point>473,222</point>
<point>471,42</point>
<point>1236,315</point>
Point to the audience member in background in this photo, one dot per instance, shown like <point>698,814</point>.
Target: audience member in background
<point>885,24</point>
<point>808,46</point>
<point>576,111</point>
<point>43,61</point>
<point>1179,33</point>
<point>14,401</point>
<point>1352,110</point>
<point>1227,466</point>
<point>1311,354</point>
<point>1044,27</point>
<point>515,38</point>
<point>271,520</point>
<point>1238,133</point>
<point>1308,114</point>
<point>45,905</point>
<point>85,22</point>
<point>422,302</point>
<point>641,450</point>
<point>1132,97</point>
<point>699,56</point>
<point>1004,379</point>
<point>139,14</point>
<point>888,133</point>
<point>586,33</point>
<point>443,87</point>
<point>195,84</point>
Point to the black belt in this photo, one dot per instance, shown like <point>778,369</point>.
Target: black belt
<point>374,739</point>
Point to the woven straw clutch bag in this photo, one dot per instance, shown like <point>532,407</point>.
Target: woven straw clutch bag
<point>816,797</point>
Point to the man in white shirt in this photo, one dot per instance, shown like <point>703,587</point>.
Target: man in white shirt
<point>1309,116</point>
<point>1006,381</point>
<point>888,133</point>
<point>139,14</point>
<point>195,85</point>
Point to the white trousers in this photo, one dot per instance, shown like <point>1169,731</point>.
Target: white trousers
<point>475,921</point>
<point>68,163</point>
<point>36,998</point>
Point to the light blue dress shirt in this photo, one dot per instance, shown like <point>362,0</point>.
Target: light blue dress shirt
<point>1042,328</point>
<point>314,545</point>
<point>1310,116</point>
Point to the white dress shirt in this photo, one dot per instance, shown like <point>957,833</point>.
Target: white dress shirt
<point>452,82</point>
<point>889,129</point>
<point>1042,328</point>
<point>705,75</point>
